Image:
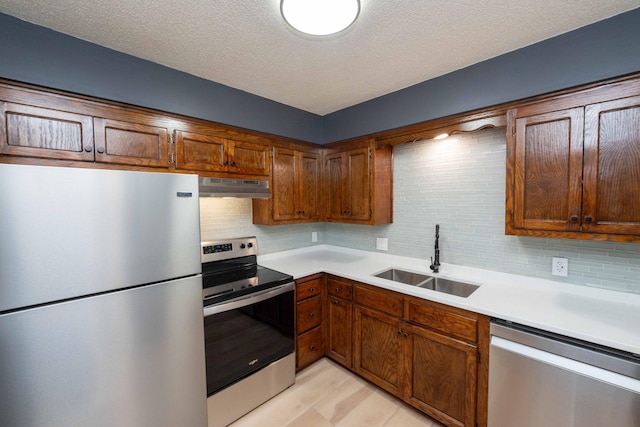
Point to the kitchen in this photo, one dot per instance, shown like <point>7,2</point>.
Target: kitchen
<point>463,191</point>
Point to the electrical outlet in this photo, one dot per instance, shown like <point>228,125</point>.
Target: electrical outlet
<point>559,267</point>
<point>382,244</point>
<point>314,236</point>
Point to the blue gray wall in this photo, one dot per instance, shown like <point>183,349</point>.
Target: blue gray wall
<point>37,55</point>
<point>599,51</point>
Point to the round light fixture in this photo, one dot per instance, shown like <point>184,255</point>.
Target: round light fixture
<point>320,17</point>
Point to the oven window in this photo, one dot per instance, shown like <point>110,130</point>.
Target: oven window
<point>244,340</point>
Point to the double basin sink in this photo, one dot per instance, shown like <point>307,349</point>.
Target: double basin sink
<point>439,284</point>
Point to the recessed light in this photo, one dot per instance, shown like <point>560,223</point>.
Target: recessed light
<point>320,17</point>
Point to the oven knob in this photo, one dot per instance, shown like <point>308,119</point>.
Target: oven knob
<point>249,245</point>
<point>242,246</point>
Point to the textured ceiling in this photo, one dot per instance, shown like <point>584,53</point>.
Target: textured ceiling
<point>246,45</point>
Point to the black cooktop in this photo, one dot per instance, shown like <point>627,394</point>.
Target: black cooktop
<point>224,280</point>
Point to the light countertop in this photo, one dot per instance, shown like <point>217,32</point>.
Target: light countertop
<point>600,316</point>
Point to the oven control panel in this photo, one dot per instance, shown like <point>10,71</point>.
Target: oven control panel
<point>217,250</point>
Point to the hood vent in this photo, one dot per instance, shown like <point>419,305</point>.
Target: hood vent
<point>227,187</point>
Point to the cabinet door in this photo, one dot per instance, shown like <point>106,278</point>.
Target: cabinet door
<point>131,143</point>
<point>378,348</point>
<point>308,188</point>
<point>284,184</point>
<point>358,185</point>
<point>547,171</point>
<point>198,152</point>
<point>339,330</point>
<point>335,173</point>
<point>42,132</point>
<point>309,314</point>
<point>248,158</point>
<point>441,376</point>
<point>612,167</point>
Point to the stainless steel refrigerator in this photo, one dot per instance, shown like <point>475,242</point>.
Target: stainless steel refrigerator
<point>100,299</point>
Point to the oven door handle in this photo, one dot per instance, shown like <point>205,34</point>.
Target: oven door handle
<point>246,300</point>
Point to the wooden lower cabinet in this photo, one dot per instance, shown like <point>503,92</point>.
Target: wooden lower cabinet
<point>309,320</point>
<point>378,352</point>
<point>432,356</point>
<point>339,320</point>
<point>338,339</point>
<point>440,376</point>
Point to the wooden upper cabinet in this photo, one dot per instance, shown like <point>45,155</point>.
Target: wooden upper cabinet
<point>32,131</point>
<point>547,170</point>
<point>131,143</point>
<point>197,152</point>
<point>348,182</point>
<point>612,167</point>
<point>295,189</point>
<point>575,172</point>
<point>209,153</point>
<point>248,157</point>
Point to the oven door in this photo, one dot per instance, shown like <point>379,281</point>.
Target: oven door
<point>245,334</point>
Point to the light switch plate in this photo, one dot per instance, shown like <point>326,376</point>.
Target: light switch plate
<point>382,244</point>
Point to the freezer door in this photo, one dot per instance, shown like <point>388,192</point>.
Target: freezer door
<point>68,232</point>
<point>131,358</point>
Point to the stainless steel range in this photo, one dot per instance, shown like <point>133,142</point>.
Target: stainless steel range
<point>249,329</point>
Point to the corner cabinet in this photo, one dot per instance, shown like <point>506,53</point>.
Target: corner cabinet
<point>295,188</point>
<point>358,183</point>
<point>573,166</point>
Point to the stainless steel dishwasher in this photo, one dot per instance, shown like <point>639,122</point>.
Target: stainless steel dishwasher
<point>541,379</point>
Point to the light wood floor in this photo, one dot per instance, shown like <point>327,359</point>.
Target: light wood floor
<point>325,394</point>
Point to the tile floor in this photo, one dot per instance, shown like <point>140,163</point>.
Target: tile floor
<point>325,394</point>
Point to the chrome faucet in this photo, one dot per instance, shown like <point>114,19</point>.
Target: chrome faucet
<point>435,265</point>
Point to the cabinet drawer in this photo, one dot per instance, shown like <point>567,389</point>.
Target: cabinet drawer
<point>308,289</point>
<point>448,320</point>
<point>309,314</point>
<point>339,288</point>
<point>310,347</point>
<point>380,299</point>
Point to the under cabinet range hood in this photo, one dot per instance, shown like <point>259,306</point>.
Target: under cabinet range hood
<point>228,187</point>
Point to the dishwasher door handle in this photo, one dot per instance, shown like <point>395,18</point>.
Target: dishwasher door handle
<point>571,365</point>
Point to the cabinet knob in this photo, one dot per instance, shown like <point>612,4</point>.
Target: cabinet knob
<point>588,219</point>
<point>226,163</point>
<point>312,347</point>
<point>337,289</point>
<point>88,148</point>
<point>312,289</point>
<point>335,302</point>
<point>100,150</point>
<point>233,163</point>
<point>574,219</point>
<point>399,331</point>
<point>311,314</point>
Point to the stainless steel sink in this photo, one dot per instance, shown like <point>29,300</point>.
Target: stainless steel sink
<point>403,276</point>
<point>439,284</point>
<point>451,287</point>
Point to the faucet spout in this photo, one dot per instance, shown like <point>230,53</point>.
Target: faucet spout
<point>435,265</point>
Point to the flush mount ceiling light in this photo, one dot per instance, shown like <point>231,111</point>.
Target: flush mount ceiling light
<point>320,17</point>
